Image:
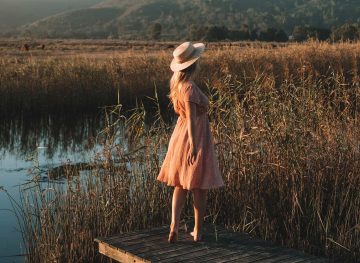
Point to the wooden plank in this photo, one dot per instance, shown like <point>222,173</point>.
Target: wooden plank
<point>187,251</point>
<point>159,243</point>
<point>298,259</point>
<point>281,254</point>
<point>139,236</point>
<point>274,258</point>
<point>233,252</point>
<point>200,252</point>
<point>158,249</point>
<point>190,242</point>
<point>196,257</point>
<point>250,255</point>
<point>315,260</point>
<point>178,252</point>
<point>128,234</point>
<point>214,258</point>
<point>120,255</point>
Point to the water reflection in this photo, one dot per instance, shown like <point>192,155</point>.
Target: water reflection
<point>21,137</point>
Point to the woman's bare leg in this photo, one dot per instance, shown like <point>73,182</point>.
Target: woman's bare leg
<point>200,198</point>
<point>178,201</point>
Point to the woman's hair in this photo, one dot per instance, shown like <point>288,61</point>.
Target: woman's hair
<point>179,78</point>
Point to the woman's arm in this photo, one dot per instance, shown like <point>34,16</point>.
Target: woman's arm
<point>190,110</point>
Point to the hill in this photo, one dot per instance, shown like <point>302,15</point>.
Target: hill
<point>14,13</point>
<point>134,19</point>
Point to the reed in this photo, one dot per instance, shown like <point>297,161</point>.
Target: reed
<point>65,85</point>
<point>286,128</point>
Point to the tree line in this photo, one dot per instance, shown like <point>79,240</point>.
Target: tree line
<point>346,32</point>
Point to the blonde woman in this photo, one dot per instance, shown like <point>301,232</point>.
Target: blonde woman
<point>190,163</point>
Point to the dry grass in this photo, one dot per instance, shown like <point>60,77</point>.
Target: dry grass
<point>36,85</point>
<point>287,132</point>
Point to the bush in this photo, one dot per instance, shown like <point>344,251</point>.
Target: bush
<point>346,32</point>
<point>156,31</point>
<point>273,34</point>
<point>303,33</point>
<point>239,35</point>
<point>216,33</point>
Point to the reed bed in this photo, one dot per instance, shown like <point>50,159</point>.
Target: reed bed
<point>286,127</point>
<point>36,86</point>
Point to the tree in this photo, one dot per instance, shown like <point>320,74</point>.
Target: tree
<point>254,34</point>
<point>156,31</point>
<point>323,34</point>
<point>216,33</point>
<point>238,35</point>
<point>267,34</point>
<point>281,36</point>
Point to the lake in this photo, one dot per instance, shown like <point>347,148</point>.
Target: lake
<point>37,143</point>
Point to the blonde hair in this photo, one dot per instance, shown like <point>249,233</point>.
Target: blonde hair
<point>180,77</point>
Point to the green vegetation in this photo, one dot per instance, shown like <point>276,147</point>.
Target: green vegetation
<point>132,19</point>
<point>302,33</point>
<point>286,129</point>
<point>347,32</point>
<point>156,31</point>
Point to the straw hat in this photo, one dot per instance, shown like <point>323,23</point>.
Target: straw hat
<point>185,55</point>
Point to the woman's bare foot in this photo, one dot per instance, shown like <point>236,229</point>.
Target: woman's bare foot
<point>197,235</point>
<point>173,237</point>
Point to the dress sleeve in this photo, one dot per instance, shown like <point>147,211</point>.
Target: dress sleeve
<point>191,93</point>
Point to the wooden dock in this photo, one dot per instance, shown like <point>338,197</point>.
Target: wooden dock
<point>218,245</point>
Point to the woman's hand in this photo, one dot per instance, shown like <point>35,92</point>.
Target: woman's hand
<point>191,155</point>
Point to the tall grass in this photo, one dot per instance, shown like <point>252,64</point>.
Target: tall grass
<point>287,133</point>
<point>37,86</point>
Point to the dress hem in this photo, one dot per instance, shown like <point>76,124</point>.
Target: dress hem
<point>194,187</point>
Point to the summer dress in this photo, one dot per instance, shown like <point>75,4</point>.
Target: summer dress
<point>204,173</point>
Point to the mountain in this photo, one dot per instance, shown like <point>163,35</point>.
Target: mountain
<point>134,19</point>
<point>14,13</point>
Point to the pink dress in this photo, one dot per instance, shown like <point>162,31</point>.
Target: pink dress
<point>204,173</point>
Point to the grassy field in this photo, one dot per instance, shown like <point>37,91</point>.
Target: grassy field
<point>286,125</point>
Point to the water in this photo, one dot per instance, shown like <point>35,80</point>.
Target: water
<point>12,173</point>
<point>49,147</point>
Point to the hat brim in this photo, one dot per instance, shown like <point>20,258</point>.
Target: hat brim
<point>199,49</point>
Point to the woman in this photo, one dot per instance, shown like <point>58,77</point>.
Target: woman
<point>190,162</point>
